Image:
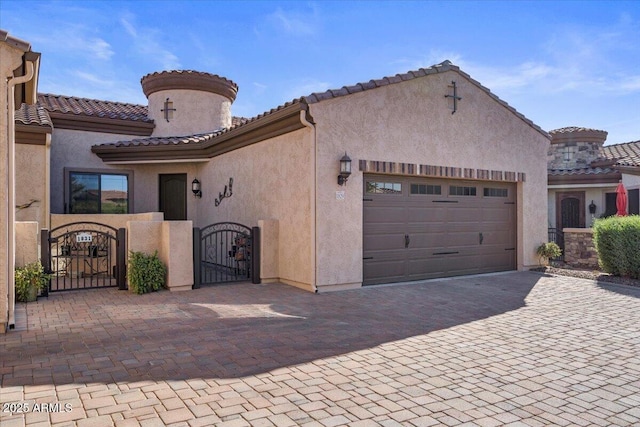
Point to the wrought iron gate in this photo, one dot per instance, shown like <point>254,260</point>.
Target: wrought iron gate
<point>225,252</point>
<point>84,255</point>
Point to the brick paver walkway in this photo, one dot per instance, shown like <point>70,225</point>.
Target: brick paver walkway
<point>511,349</point>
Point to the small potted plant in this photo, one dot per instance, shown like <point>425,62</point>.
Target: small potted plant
<point>30,279</point>
<point>547,251</point>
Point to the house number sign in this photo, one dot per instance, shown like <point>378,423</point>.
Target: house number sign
<point>228,192</point>
<point>84,237</point>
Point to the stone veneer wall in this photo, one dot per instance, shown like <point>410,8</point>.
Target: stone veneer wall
<point>584,153</point>
<point>579,248</point>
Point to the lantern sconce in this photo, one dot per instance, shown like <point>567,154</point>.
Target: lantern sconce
<point>345,169</point>
<point>592,208</point>
<point>195,188</point>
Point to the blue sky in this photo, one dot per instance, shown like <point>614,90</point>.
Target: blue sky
<point>567,63</point>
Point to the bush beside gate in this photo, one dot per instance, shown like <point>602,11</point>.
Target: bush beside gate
<point>617,240</point>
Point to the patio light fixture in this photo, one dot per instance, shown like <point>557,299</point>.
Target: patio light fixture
<point>345,169</point>
<point>195,187</point>
<point>592,208</point>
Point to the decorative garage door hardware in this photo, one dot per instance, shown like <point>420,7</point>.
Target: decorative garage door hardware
<point>84,255</point>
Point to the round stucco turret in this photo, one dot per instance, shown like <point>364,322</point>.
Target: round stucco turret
<point>197,102</point>
<point>575,147</point>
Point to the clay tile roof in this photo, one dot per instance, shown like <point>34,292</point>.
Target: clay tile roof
<point>167,140</point>
<point>626,154</point>
<point>93,107</point>
<point>33,115</point>
<point>581,171</point>
<point>570,129</point>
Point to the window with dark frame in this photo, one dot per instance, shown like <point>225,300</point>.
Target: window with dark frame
<point>426,189</point>
<point>98,193</point>
<point>634,201</point>
<point>496,192</point>
<point>456,190</point>
<point>610,207</point>
<point>376,187</point>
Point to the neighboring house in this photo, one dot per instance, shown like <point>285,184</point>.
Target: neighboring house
<point>584,174</point>
<point>23,133</point>
<point>447,179</point>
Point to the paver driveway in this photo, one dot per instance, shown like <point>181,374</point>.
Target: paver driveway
<point>507,349</point>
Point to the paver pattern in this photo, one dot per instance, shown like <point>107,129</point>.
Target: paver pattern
<point>517,349</point>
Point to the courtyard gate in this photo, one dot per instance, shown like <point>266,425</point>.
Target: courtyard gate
<point>225,252</point>
<point>84,255</point>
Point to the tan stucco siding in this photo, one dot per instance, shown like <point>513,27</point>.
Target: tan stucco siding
<point>196,112</point>
<point>411,122</point>
<point>10,59</point>
<point>31,183</point>
<point>72,149</point>
<point>596,193</point>
<point>271,180</point>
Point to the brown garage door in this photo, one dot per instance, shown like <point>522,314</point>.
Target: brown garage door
<point>416,228</point>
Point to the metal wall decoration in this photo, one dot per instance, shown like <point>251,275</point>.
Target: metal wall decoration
<point>168,110</point>
<point>455,97</point>
<point>228,192</point>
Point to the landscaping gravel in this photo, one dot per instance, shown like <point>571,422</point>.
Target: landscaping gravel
<point>589,274</point>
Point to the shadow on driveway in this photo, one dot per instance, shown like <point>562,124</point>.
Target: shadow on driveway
<point>231,331</point>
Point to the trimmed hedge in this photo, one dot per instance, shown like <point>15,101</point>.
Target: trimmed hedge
<point>147,273</point>
<point>617,240</point>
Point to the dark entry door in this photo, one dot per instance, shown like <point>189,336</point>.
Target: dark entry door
<point>570,210</point>
<point>173,196</point>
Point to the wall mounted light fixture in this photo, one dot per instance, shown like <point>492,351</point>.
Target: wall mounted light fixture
<point>592,208</point>
<point>195,187</point>
<point>345,169</point>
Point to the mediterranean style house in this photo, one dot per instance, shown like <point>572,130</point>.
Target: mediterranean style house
<point>584,174</point>
<point>420,175</point>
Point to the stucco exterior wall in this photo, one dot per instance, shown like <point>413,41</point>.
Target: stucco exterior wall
<point>72,149</point>
<point>31,183</point>
<point>174,242</point>
<point>272,179</point>
<point>412,122</point>
<point>27,240</point>
<point>114,220</point>
<point>630,181</point>
<point>196,112</point>
<point>10,59</point>
<point>596,193</point>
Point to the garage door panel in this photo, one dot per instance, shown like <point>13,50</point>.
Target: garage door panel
<point>386,242</point>
<point>447,235</point>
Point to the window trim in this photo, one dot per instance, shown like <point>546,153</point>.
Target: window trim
<point>67,180</point>
<point>474,187</point>
<point>399,193</point>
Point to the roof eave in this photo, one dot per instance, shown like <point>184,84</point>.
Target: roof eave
<point>276,123</point>
<point>603,178</point>
<point>100,124</point>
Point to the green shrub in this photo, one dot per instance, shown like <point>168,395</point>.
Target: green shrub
<point>617,240</point>
<point>146,273</point>
<point>29,280</point>
<point>549,250</point>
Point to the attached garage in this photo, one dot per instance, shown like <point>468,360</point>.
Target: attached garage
<point>416,228</point>
<point>437,188</point>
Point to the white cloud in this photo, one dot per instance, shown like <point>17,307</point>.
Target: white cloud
<point>148,42</point>
<point>295,22</point>
<point>100,49</point>
<point>307,87</point>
